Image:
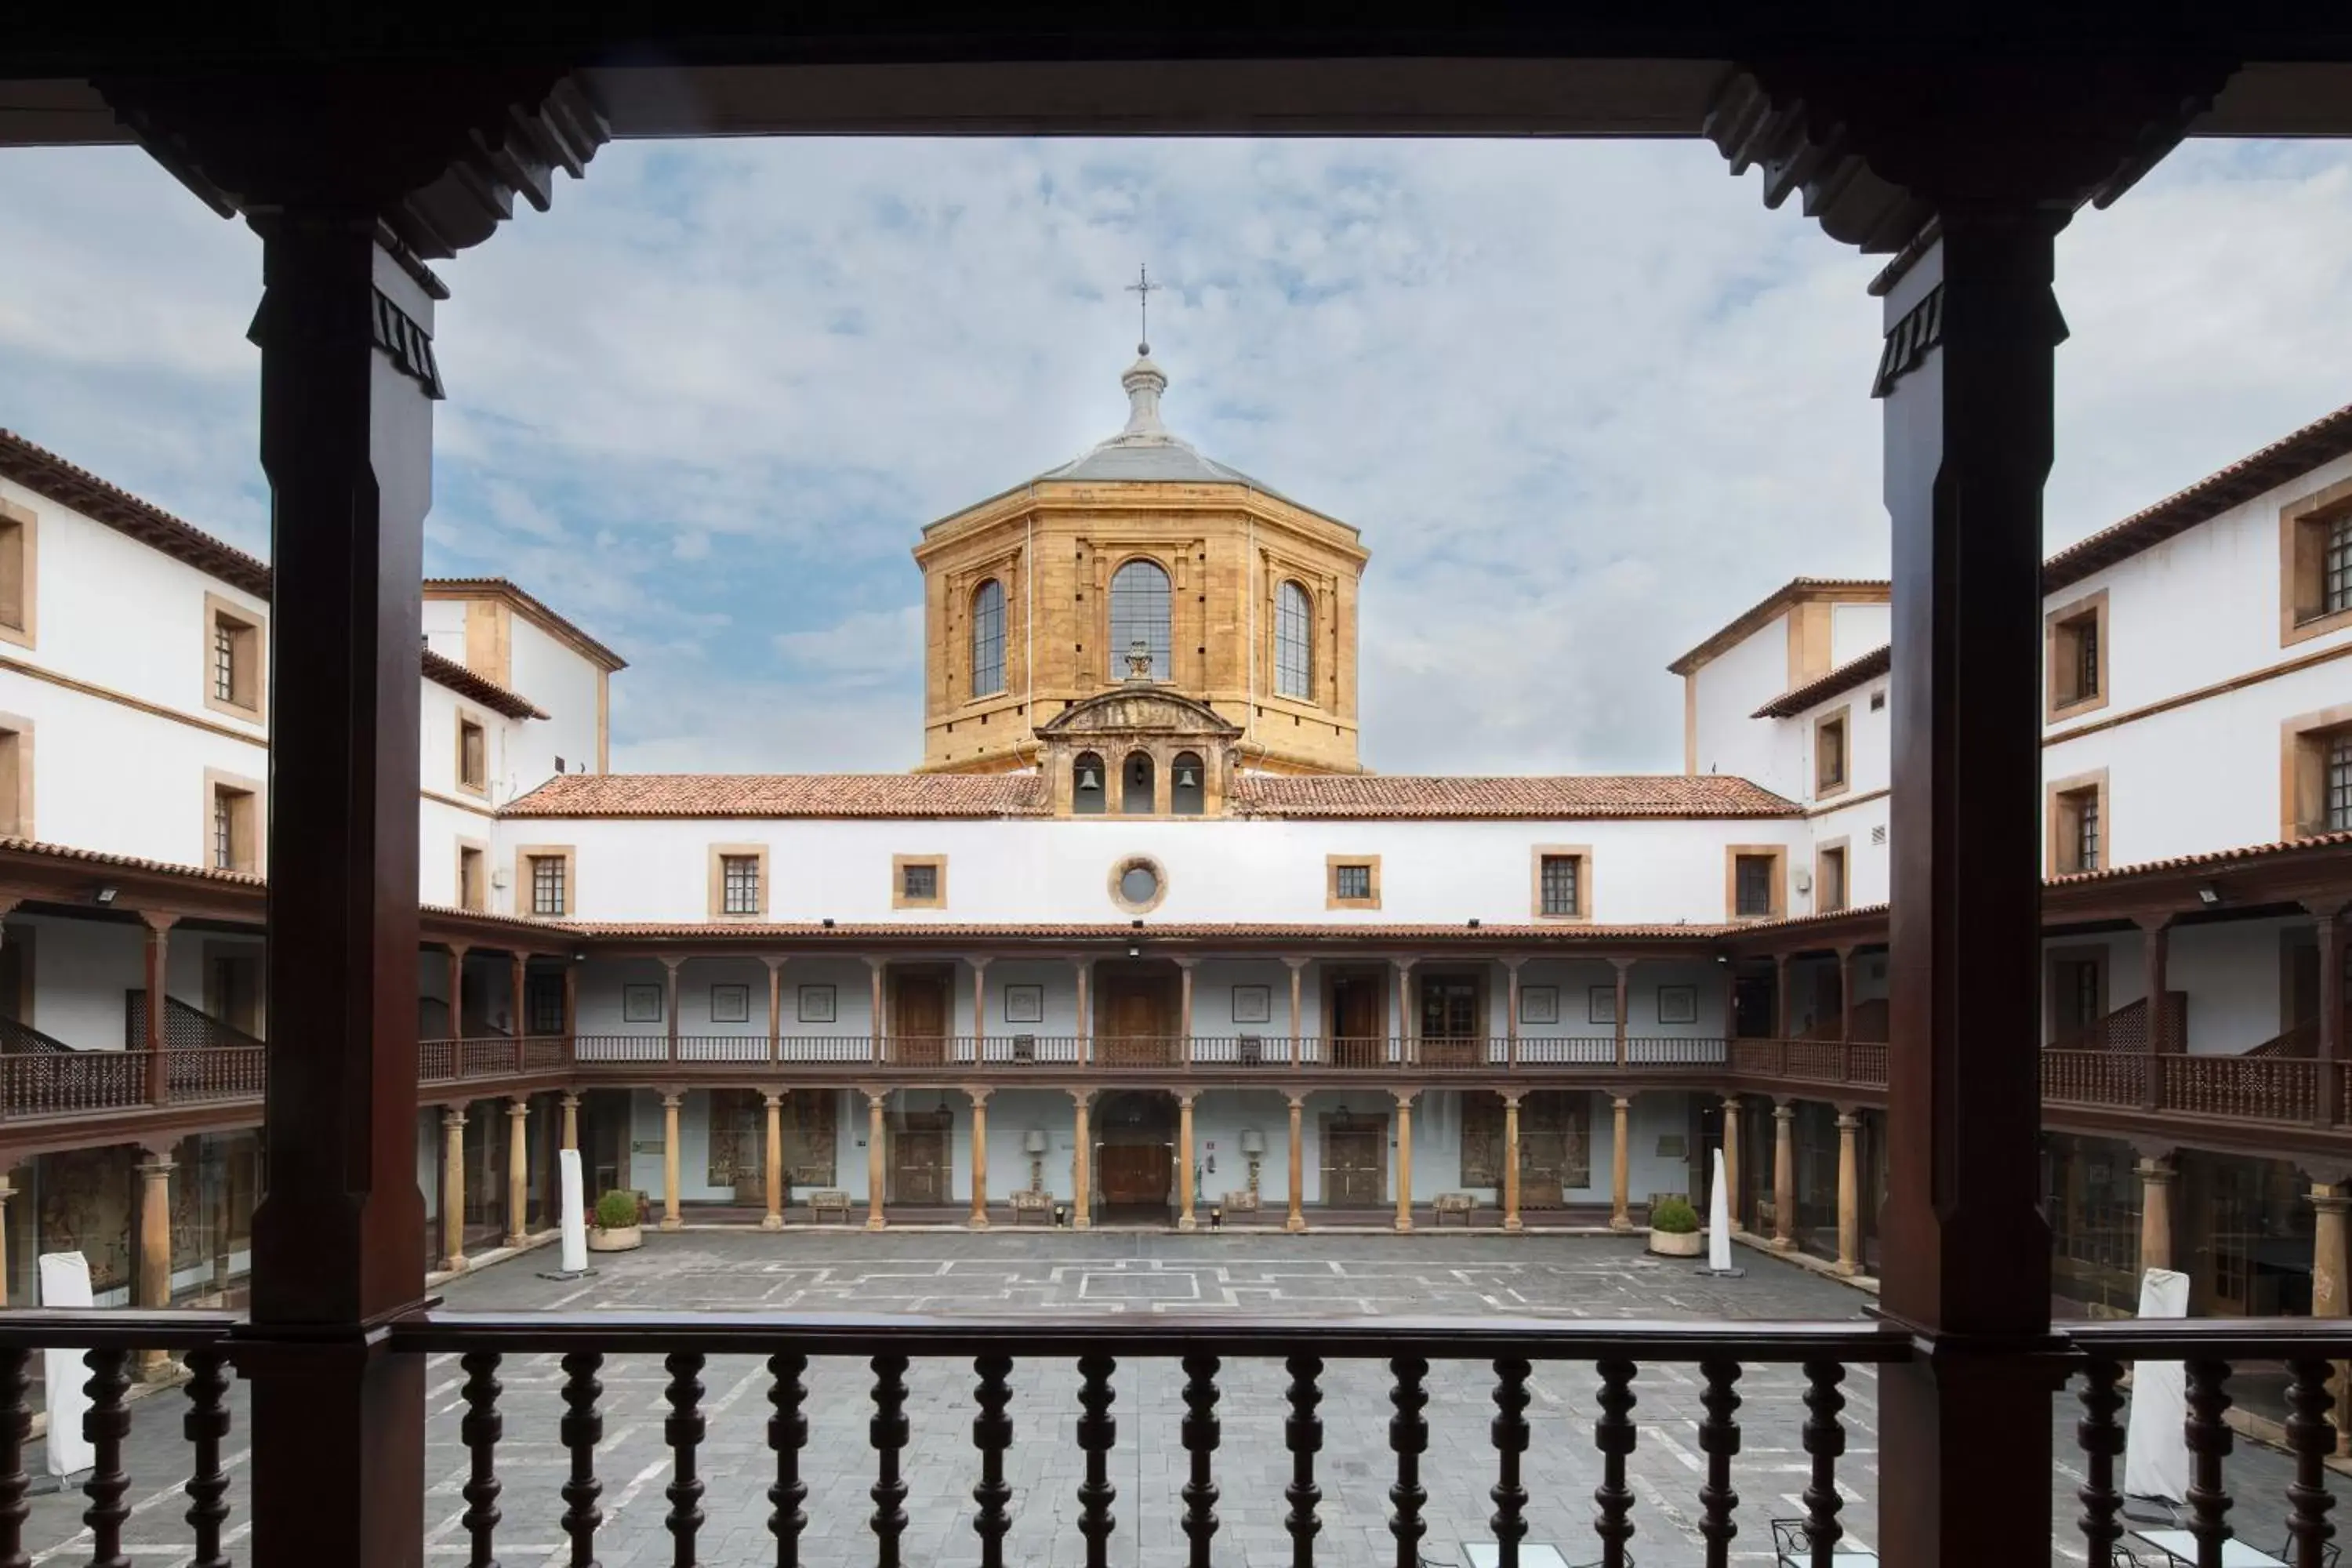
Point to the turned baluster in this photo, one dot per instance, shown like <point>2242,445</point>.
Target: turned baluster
<point>16,1427</point>
<point>479,1431</point>
<point>2311,1438</point>
<point>104,1426</point>
<point>2100,1439</point>
<point>683,1428</point>
<point>1824,1439</point>
<point>991,1434</point>
<point>1612,1433</point>
<point>1302,1434</point>
<point>1718,1439</point>
<point>1509,1433</point>
<point>1202,1430</point>
<point>580,1430</point>
<point>1408,1440</point>
<point>787,1435</point>
<point>2209,1442</point>
<point>205,1425</point>
<point>1097,1430</point>
<point>887,1432</point>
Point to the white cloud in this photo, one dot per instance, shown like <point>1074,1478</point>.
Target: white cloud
<point>1585,400</point>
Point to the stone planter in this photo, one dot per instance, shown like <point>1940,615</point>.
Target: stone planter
<point>1671,1244</point>
<point>620,1239</point>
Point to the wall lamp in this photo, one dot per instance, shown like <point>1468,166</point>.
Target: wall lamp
<point>106,897</point>
<point>2209,895</point>
<point>1133,950</point>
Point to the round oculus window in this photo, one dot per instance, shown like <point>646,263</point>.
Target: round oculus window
<point>1138,884</point>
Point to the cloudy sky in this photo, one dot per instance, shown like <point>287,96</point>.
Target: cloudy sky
<point>1586,401</point>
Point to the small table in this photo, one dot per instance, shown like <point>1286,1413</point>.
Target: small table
<point>2181,1546</point>
<point>1459,1205</point>
<point>828,1200</point>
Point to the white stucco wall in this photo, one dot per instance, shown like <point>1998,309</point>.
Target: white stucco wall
<point>561,684</point>
<point>1856,629</point>
<point>1731,687</point>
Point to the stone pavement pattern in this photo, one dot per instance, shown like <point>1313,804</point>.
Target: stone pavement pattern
<point>1061,1274</point>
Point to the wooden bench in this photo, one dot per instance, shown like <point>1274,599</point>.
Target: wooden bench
<point>828,1200</point>
<point>1240,1203</point>
<point>1459,1204</point>
<point>1029,1201</point>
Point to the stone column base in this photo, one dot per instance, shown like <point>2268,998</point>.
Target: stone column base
<point>771,1222</point>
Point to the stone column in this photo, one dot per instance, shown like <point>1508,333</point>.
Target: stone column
<point>1784,1176</point>
<point>1298,997</point>
<point>773,1100</point>
<point>670,967</point>
<point>154,1247</point>
<point>1730,1162</point>
<point>517,1169</point>
<point>875,1177</point>
<point>671,1100</point>
<point>1625,967</point>
<point>571,1123</point>
<point>979,1152</point>
<point>1184,1220</point>
<point>453,1187</point>
<point>1849,1126</point>
<point>877,965</point>
<point>1621,1162</point>
<point>1511,1160</point>
<point>979,1010</point>
<point>158,1038</point>
<point>775,1007</point>
<point>2331,1282</point>
<point>2157,1174</point>
<point>1082,1165</point>
<point>1296,1220</point>
<point>1085,968</point>
<point>1405,1158</point>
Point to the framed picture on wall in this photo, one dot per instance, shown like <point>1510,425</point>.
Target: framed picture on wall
<point>1601,1004</point>
<point>1253,1004</point>
<point>1024,1004</point>
<point>1678,1003</point>
<point>816,1005</point>
<point>730,1003</point>
<point>1539,1005</point>
<point>641,1003</point>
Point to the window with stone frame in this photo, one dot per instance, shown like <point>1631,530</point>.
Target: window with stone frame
<point>2081,833</point>
<point>1294,642</point>
<point>988,638</point>
<point>473,755</point>
<point>739,877</point>
<point>550,885</point>
<point>1830,890</point>
<point>1830,753</point>
<point>1140,613</point>
<point>1752,879</point>
<point>1561,877</point>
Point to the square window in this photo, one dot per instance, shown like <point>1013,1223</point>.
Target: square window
<point>1352,882</point>
<point>232,659</point>
<point>818,1004</point>
<point>918,882</point>
<point>922,883</point>
<point>730,1003</point>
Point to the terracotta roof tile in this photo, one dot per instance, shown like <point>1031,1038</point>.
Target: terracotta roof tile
<point>784,795</point>
<point>1552,798</point>
<point>41,470</point>
<point>2211,857</point>
<point>1868,590</point>
<point>448,673</point>
<point>131,862</point>
<point>1845,678</point>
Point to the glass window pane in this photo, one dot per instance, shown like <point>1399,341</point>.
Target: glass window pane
<point>1140,614</point>
<point>1559,889</point>
<point>988,638</point>
<point>1294,643</point>
<point>2339,784</point>
<point>1353,882</point>
<point>2338,566</point>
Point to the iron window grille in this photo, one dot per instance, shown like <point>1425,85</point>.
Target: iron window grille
<point>740,884</point>
<point>546,885</point>
<point>2336,568</point>
<point>919,884</point>
<point>1351,882</point>
<point>1560,885</point>
<point>1754,885</point>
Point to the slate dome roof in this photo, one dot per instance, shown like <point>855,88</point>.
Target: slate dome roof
<point>1147,449</point>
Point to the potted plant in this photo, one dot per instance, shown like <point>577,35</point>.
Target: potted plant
<point>617,1229</point>
<point>1674,1229</point>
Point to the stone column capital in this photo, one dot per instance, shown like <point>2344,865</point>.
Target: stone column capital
<point>1731,1104</point>
<point>519,1106</point>
<point>672,1099</point>
<point>453,1117</point>
<point>1296,963</point>
<point>158,921</point>
<point>977,1093</point>
<point>876,1097</point>
<point>1404,1097</point>
<point>2329,1198</point>
<point>571,1102</point>
<point>2157,1172</point>
<point>1621,1102</point>
<point>1185,1097</point>
<point>1297,1103</point>
<point>1784,1110</point>
<point>156,1165</point>
<point>1081,1098</point>
<point>1848,1121</point>
<point>1510,1098</point>
<point>773,1098</point>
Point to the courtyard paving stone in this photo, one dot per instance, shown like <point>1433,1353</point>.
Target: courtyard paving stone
<point>1063,1273</point>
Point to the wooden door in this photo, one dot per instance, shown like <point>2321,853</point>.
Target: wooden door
<point>1354,1167</point>
<point>233,991</point>
<point>1136,1173</point>
<point>1450,1019</point>
<point>921,1025</point>
<point>1137,1019</point>
<point>918,1163</point>
<point>1357,1014</point>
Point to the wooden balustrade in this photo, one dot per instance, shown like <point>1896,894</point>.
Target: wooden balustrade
<point>2092,1078</point>
<point>2263,1089</point>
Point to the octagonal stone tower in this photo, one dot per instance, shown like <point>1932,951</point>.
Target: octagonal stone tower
<point>1058,590</point>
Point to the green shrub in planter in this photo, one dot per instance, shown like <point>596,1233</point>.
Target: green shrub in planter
<point>1674,1216</point>
<point>616,1210</point>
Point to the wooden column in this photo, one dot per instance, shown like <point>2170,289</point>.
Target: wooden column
<point>773,1100</point>
<point>571,1121</point>
<point>158,971</point>
<point>1784,1011</point>
<point>1511,1011</point>
<point>572,1005</point>
<point>2157,1175</point>
<point>1625,967</point>
<point>1784,1176</point>
<point>671,1098</point>
<point>1295,1220</point>
<point>670,966</point>
<point>1730,1161</point>
<point>1184,1220</point>
<point>1845,994</point>
<point>775,1007</point>
<point>1849,1191</point>
<point>1621,1162</point>
<point>2333,1048</point>
<point>154,1246</point>
<point>1511,1161</point>
<point>1085,968</point>
<point>1404,1157</point>
<point>2156,948</point>
<point>517,1170</point>
<point>1082,1164</point>
<point>456,990</point>
<point>518,985</point>
<point>979,1009</point>
<point>1408,1045</point>
<point>876,1176</point>
<point>979,1154</point>
<point>877,965</point>
<point>453,1187</point>
<point>1297,967</point>
<point>1730,1005</point>
<point>1182,1053</point>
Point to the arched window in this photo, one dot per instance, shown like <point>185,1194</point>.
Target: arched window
<point>1294,642</point>
<point>1186,788</point>
<point>1139,613</point>
<point>1135,780</point>
<point>988,638</point>
<point>1088,794</point>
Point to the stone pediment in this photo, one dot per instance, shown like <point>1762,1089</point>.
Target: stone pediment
<point>1145,711</point>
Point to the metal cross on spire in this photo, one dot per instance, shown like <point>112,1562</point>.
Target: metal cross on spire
<point>1143,289</point>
